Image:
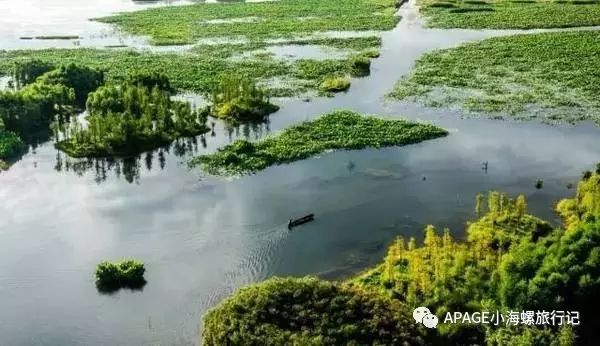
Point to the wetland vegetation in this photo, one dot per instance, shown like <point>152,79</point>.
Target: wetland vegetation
<point>337,130</point>
<point>505,14</point>
<point>526,76</point>
<point>509,261</point>
<point>282,18</point>
<point>111,276</point>
<point>308,311</point>
<point>237,98</point>
<point>128,119</point>
<point>200,69</point>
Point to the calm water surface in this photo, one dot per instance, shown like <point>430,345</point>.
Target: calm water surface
<point>201,237</point>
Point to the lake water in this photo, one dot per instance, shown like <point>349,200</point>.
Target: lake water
<point>202,237</point>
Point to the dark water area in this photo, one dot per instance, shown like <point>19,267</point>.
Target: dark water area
<point>202,237</point>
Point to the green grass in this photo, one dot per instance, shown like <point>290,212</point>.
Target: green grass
<point>282,18</point>
<point>551,76</point>
<point>111,276</point>
<point>337,130</point>
<point>200,69</point>
<point>509,15</point>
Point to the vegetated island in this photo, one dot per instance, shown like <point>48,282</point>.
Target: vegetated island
<point>510,14</point>
<point>337,130</point>
<point>509,261</point>
<point>256,21</point>
<point>124,116</point>
<point>526,76</point>
<point>112,276</point>
<point>129,118</point>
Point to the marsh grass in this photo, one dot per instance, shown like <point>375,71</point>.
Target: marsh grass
<point>199,70</point>
<point>337,130</point>
<point>525,76</point>
<point>503,14</point>
<point>282,18</point>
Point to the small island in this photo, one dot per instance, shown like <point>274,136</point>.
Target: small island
<point>128,118</point>
<point>112,276</point>
<point>337,130</point>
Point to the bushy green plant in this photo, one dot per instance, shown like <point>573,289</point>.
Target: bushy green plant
<point>335,84</point>
<point>82,79</point>
<point>337,130</point>
<point>238,98</point>
<point>111,276</point>
<point>309,311</point>
<point>10,144</point>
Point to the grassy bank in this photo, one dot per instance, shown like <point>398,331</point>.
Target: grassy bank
<point>502,14</point>
<point>549,76</point>
<point>337,130</point>
<point>256,21</point>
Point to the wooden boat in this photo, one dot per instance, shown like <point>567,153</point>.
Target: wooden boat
<point>301,220</point>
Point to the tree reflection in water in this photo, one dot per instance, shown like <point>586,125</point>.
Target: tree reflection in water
<point>130,168</point>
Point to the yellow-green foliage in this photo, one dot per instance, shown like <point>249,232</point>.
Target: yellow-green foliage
<point>586,203</point>
<point>309,311</point>
<point>335,84</point>
<point>509,260</point>
<point>238,98</point>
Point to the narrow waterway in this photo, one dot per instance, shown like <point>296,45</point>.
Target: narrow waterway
<point>202,237</point>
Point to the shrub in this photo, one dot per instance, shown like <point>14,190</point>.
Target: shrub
<point>335,84</point>
<point>111,276</point>
<point>305,311</point>
<point>10,144</point>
